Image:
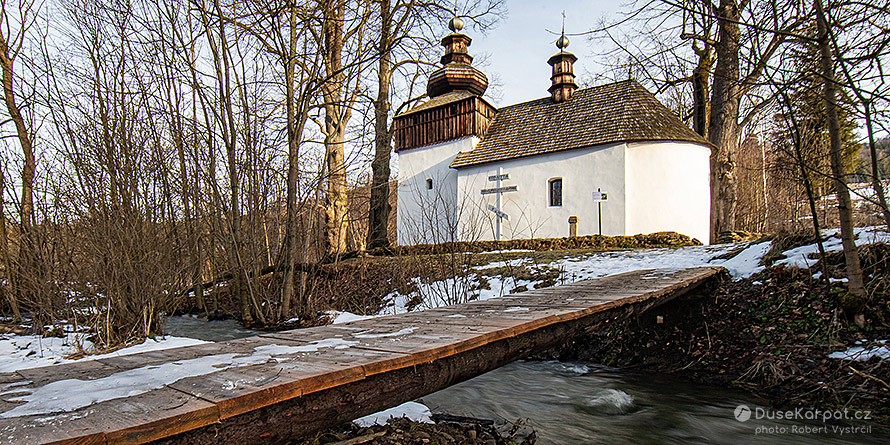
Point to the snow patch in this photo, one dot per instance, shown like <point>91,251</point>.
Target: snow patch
<point>338,317</point>
<point>799,256</point>
<point>417,412</point>
<point>33,351</point>
<point>881,350</point>
<point>747,262</point>
<point>400,332</point>
<point>71,394</point>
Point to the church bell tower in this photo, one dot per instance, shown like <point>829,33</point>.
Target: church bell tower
<point>455,108</point>
<point>563,79</point>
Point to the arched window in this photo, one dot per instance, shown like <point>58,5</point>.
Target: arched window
<point>429,184</point>
<point>555,189</point>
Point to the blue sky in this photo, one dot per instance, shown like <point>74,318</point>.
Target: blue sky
<point>515,52</point>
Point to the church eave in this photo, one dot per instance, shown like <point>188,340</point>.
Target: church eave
<point>459,163</point>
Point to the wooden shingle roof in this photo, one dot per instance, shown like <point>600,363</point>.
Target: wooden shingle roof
<point>617,112</point>
<point>447,98</point>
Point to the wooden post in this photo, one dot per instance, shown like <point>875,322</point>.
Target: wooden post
<point>573,226</point>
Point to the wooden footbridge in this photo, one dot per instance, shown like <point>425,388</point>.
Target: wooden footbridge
<point>272,387</point>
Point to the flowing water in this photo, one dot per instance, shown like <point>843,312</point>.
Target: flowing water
<point>577,403</point>
<point>574,403</point>
<point>202,329</point>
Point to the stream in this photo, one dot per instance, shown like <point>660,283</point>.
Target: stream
<point>576,403</point>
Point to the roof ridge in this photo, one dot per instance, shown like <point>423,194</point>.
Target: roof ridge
<point>585,89</point>
<point>621,111</point>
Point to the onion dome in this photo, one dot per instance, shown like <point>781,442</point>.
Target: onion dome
<point>457,71</point>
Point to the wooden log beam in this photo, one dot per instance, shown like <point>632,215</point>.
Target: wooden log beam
<point>301,416</point>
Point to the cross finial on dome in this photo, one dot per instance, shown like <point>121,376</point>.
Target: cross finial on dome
<point>456,23</point>
<point>563,42</point>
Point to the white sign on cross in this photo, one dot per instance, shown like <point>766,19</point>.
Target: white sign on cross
<point>599,197</point>
<point>498,190</point>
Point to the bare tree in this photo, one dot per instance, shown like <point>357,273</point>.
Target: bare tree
<point>9,289</point>
<point>401,40</point>
<point>11,43</point>
<point>789,116</point>
<point>378,215</point>
<point>701,25</point>
<point>217,35</point>
<point>747,36</point>
<point>855,284</point>
<point>15,22</point>
<point>339,97</point>
<point>861,57</point>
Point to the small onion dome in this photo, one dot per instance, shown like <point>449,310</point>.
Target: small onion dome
<point>562,42</point>
<point>456,24</point>
<point>457,71</point>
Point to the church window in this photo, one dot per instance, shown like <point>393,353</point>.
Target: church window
<point>429,184</point>
<point>555,192</point>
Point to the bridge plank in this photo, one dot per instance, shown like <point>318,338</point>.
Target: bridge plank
<point>239,390</point>
<point>151,358</point>
<point>153,415</point>
<point>136,419</point>
<point>84,370</point>
<point>425,342</point>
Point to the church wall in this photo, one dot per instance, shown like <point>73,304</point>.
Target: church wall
<point>429,215</point>
<point>530,215</point>
<point>667,188</point>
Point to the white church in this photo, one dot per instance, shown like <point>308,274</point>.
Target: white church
<point>609,159</point>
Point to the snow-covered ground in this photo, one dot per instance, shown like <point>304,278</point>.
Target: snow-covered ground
<point>583,267</point>
<point>799,256</point>
<point>595,265</point>
<point>24,351</point>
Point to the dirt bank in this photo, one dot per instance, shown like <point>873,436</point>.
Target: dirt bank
<point>771,335</point>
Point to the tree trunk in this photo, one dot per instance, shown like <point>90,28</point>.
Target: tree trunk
<point>293,150</point>
<point>227,125</point>
<point>808,185</point>
<point>844,204</point>
<point>336,205</point>
<point>876,182</point>
<point>11,292</point>
<point>723,128</point>
<point>700,89</point>
<point>197,226</point>
<point>336,117</point>
<point>27,254</point>
<point>29,167</point>
<point>378,218</point>
<point>188,218</point>
<point>26,210</point>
